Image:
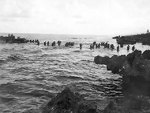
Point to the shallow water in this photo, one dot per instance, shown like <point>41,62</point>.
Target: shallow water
<point>30,75</point>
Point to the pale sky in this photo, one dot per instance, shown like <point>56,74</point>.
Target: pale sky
<point>99,17</point>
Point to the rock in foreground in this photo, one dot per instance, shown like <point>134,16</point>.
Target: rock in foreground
<point>132,104</point>
<point>69,102</point>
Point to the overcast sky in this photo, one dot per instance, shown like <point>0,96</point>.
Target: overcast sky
<point>104,17</point>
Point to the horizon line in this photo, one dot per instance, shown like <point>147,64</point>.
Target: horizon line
<point>114,34</point>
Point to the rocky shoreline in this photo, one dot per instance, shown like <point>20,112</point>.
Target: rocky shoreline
<point>135,71</point>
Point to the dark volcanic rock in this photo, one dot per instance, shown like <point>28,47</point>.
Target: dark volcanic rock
<point>69,102</point>
<point>134,68</point>
<point>136,74</point>
<point>132,56</point>
<point>135,85</point>
<point>101,60</point>
<point>136,77</point>
<point>146,54</point>
<point>115,63</point>
<point>132,104</point>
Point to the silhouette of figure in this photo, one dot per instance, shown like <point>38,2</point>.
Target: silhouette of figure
<point>91,47</point>
<point>121,45</point>
<point>133,48</point>
<point>71,43</point>
<point>118,48</point>
<point>54,43</point>
<point>108,45</point>
<point>94,43</point>
<point>99,45</point>
<point>48,43</point>
<point>128,48</point>
<point>112,47</point>
<point>45,43</point>
<point>38,42</point>
<point>80,46</point>
<point>66,44</point>
<point>59,43</point>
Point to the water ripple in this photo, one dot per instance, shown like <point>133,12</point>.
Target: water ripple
<point>31,75</point>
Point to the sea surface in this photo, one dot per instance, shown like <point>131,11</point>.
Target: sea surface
<point>30,75</point>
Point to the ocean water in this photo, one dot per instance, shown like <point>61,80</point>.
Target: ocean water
<point>31,75</point>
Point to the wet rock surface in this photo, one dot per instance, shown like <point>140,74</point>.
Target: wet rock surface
<point>114,63</point>
<point>134,68</point>
<point>131,104</point>
<point>146,54</point>
<point>69,102</point>
<point>136,74</point>
<point>135,71</point>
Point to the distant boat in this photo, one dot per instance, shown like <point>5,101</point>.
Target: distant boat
<point>132,39</point>
<point>11,39</point>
